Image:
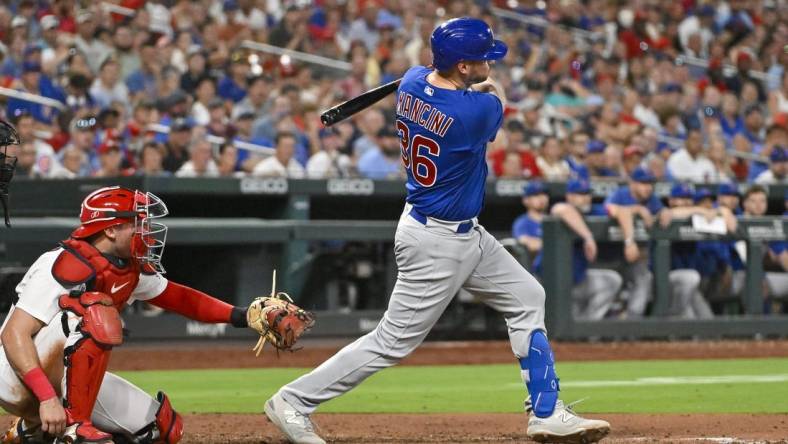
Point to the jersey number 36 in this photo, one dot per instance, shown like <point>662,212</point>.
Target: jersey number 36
<point>415,155</point>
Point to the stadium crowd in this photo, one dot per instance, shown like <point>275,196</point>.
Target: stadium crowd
<point>634,91</point>
<point>691,91</point>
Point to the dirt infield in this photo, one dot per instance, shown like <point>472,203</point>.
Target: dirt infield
<point>460,428</point>
<point>412,428</point>
<point>445,428</point>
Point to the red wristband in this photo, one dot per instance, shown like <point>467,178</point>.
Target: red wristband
<point>38,383</point>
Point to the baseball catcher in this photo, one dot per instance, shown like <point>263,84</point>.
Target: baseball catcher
<point>62,329</point>
<point>8,136</point>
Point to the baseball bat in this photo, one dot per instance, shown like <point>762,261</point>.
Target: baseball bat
<point>344,110</point>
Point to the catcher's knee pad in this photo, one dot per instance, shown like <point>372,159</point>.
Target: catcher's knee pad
<point>538,369</point>
<point>100,319</point>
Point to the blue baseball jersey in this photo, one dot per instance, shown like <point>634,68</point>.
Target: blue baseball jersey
<point>623,197</point>
<point>443,137</point>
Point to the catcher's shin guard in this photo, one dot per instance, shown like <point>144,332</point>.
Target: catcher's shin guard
<point>86,362</point>
<point>166,429</point>
<point>538,369</point>
<point>168,421</point>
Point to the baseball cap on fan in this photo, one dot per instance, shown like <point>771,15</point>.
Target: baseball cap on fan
<point>681,191</point>
<point>643,175</point>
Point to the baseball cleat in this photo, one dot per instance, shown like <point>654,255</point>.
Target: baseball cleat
<point>19,434</point>
<point>565,426</point>
<point>296,426</point>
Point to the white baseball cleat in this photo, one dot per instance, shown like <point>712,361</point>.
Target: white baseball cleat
<point>296,426</point>
<point>565,426</point>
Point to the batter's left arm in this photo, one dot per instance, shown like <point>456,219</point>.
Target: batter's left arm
<point>492,87</point>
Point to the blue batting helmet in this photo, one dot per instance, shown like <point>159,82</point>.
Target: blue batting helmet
<point>464,38</point>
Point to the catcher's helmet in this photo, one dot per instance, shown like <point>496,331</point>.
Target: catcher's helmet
<point>8,136</point>
<point>110,206</point>
<point>461,39</point>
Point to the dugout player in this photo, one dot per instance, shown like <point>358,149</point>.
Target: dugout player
<point>446,115</point>
<point>68,310</point>
<point>594,289</point>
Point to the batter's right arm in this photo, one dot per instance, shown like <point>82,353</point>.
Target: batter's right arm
<point>17,338</point>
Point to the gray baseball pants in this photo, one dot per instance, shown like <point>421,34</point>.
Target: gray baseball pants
<point>434,263</point>
<point>593,296</point>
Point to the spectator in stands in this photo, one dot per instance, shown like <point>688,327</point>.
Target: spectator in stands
<point>232,87</point>
<point>594,289</point>
<point>385,161</point>
<point>151,160</point>
<point>78,97</point>
<point>258,97</point>
<point>26,160</point>
<point>108,87</point>
<point>74,163</point>
<point>512,141</point>
<point>595,160</point>
<point>86,41</point>
<point>110,159</point>
<point>33,81</point>
<point>265,127</point>
<point>127,56</point>
<point>83,135</point>
<point>195,70</point>
<point>180,137</point>
<point>142,82</point>
<point>45,158</point>
<point>329,162</point>
<point>718,156</point>
<point>632,158</point>
<point>551,163</point>
<point>282,163</point>
<point>690,163</point>
<point>200,163</point>
<point>753,132</point>
<point>370,123</point>
<point>228,159</point>
<point>578,141</point>
<point>218,123</point>
<point>205,93</point>
<point>247,159</point>
<point>777,174</point>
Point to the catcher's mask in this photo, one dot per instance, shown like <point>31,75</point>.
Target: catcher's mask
<point>110,206</point>
<point>8,136</point>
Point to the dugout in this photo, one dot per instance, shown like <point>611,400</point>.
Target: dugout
<point>226,235</point>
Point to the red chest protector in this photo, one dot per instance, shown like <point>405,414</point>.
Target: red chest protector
<point>81,263</point>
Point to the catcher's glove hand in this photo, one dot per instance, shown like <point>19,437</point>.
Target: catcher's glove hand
<point>278,320</point>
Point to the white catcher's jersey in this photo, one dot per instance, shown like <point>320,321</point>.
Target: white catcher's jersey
<point>38,294</point>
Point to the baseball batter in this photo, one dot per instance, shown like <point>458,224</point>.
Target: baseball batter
<point>57,339</point>
<point>445,117</point>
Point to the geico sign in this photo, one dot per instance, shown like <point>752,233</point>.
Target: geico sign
<point>350,186</point>
<point>262,185</point>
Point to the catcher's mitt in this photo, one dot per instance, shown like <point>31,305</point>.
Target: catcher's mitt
<point>278,320</point>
